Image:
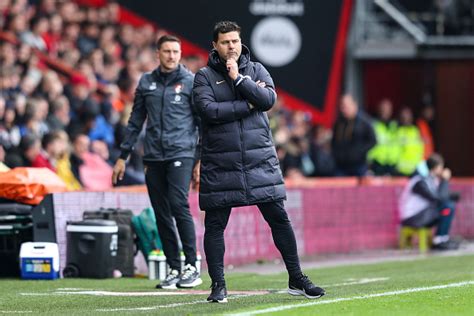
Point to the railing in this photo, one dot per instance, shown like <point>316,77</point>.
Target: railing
<point>388,20</point>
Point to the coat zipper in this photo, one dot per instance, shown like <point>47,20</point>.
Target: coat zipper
<point>161,120</point>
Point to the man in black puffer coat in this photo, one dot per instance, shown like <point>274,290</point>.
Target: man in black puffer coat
<point>239,165</point>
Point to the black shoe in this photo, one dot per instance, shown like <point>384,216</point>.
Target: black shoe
<point>218,293</point>
<point>447,245</point>
<point>170,282</point>
<point>302,285</point>
<point>189,278</point>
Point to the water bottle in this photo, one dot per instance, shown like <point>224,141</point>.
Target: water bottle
<point>198,261</point>
<point>162,265</point>
<point>183,260</point>
<point>158,269</point>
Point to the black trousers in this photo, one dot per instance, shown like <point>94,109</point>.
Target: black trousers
<point>168,188</point>
<point>282,232</point>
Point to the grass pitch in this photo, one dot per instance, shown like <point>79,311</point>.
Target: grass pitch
<point>429,286</point>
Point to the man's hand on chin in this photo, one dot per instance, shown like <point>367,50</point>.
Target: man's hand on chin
<point>232,68</point>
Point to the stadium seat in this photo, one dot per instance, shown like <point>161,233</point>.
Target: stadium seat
<point>423,234</point>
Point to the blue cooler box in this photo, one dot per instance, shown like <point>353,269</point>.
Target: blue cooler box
<point>39,260</point>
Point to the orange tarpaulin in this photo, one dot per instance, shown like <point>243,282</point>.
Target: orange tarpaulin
<point>29,185</point>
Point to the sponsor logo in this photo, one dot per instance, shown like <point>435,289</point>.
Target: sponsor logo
<point>277,7</point>
<point>276,41</point>
<point>219,82</point>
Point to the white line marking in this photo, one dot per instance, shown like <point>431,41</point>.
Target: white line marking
<point>15,312</point>
<point>155,293</point>
<point>355,282</point>
<point>343,299</point>
<point>149,308</point>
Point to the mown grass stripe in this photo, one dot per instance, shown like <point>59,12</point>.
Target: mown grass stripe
<point>345,299</point>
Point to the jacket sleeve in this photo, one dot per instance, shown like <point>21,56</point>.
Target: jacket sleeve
<point>370,139</point>
<point>135,124</point>
<point>262,98</point>
<point>421,188</point>
<point>212,111</point>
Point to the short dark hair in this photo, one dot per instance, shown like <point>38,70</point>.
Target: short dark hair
<point>434,160</point>
<point>28,141</point>
<point>224,27</point>
<point>49,138</point>
<point>167,38</point>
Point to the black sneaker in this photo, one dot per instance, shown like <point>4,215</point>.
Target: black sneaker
<point>218,294</point>
<point>170,282</point>
<point>189,278</point>
<point>302,285</point>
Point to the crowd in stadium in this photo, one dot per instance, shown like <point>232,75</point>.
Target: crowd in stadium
<point>67,80</point>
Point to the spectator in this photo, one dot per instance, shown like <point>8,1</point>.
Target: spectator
<point>384,156</point>
<point>30,148</point>
<point>3,166</point>
<point>88,119</point>
<point>427,202</point>
<point>353,138</point>
<point>52,147</point>
<point>20,108</point>
<point>94,173</point>
<point>51,87</point>
<point>67,48</point>
<point>425,125</point>
<point>100,148</point>
<point>58,117</point>
<point>291,158</point>
<point>134,171</point>
<point>7,55</point>
<point>63,162</point>
<point>87,41</point>
<point>53,36</point>
<point>39,27</point>
<point>9,132</point>
<point>409,142</point>
<point>35,118</point>
<point>320,152</point>
<point>32,78</point>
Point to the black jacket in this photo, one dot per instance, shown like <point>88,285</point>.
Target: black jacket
<point>165,101</point>
<point>239,165</point>
<point>352,140</point>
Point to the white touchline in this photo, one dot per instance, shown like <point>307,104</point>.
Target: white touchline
<point>149,308</point>
<point>15,312</point>
<point>357,281</point>
<point>343,299</point>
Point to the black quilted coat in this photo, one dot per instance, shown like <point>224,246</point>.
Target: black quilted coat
<point>239,165</point>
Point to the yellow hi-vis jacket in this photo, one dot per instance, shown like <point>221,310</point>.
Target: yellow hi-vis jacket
<point>411,149</point>
<point>386,152</point>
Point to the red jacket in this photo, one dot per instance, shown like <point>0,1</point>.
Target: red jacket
<point>41,161</point>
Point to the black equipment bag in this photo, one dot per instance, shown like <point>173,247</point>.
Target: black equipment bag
<point>15,228</point>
